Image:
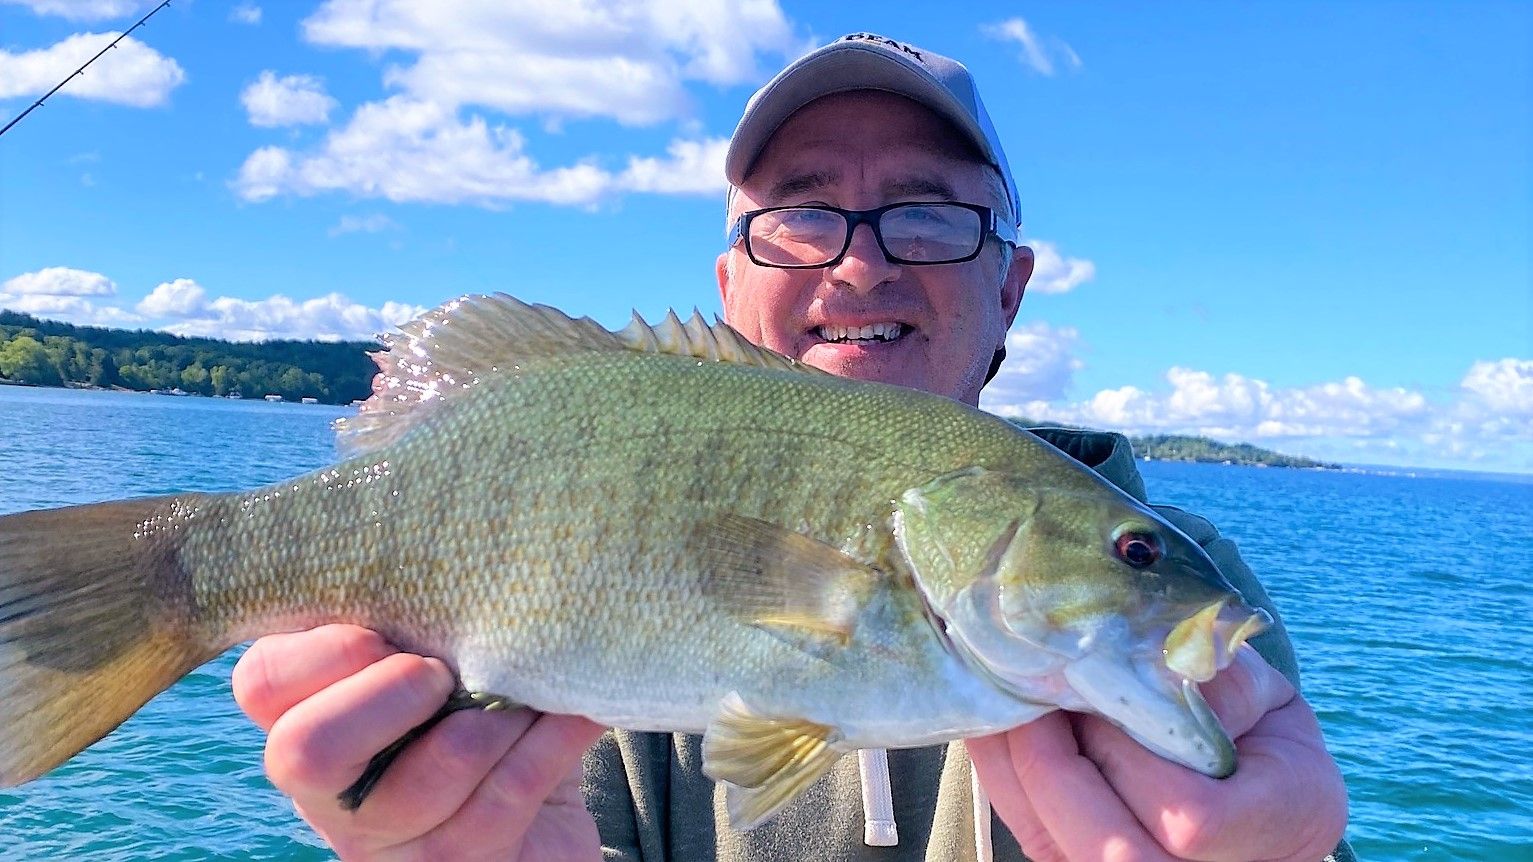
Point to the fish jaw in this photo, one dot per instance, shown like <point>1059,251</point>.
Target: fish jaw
<point>1105,671</point>
<point>1160,709</point>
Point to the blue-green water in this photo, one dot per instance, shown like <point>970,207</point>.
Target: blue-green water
<point>1410,600</point>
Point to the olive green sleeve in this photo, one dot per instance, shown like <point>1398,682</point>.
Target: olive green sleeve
<point>608,798</point>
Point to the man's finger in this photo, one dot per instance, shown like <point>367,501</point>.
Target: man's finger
<point>279,671</point>
<point>1245,691</point>
<point>991,759</point>
<point>320,746</point>
<point>1282,771</point>
<point>1074,804</point>
<point>434,775</point>
<point>516,790</point>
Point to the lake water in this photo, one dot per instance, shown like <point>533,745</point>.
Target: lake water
<point>1410,601</point>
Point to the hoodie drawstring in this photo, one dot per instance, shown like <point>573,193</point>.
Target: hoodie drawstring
<point>984,851</point>
<point>877,800</point>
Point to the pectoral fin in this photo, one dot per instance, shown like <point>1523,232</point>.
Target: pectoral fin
<point>777,579</point>
<point>765,762</point>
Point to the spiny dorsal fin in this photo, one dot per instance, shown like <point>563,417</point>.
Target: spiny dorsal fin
<point>447,351</point>
<point>765,762</point>
<point>716,343</point>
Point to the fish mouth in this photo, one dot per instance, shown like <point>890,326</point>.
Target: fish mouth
<point>1201,645</point>
<point>1155,698</point>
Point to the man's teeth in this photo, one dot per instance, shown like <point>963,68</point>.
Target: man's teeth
<point>871,332</point>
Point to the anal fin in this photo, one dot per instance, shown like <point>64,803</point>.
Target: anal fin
<point>765,763</point>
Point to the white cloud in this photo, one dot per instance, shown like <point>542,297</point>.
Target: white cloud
<point>438,139</point>
<point>245,13</point>
<point>1235,407</point>
<point>1055,273</point>
<point>288,101</point>
<point>407,150</point>
<point>130,74</point>
<point>182,306</point>
<point>59,281</point>
<point>180,298</point>
<point>64,293</point>
<point>1038,54</point>
<point>185,309</point>
<point>694,167</point>
<point>82,10</point>
<point>332,317</point>
<point>70,309</point>
<point>404,149</point>
<point>265,174</point>
<point>1040,365</point>
<point>610,58</point>
<point>1485,423</point>
<point>371,223</point>
<point>1504,386</point>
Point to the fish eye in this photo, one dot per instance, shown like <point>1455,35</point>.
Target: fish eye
<point>1138,549</point>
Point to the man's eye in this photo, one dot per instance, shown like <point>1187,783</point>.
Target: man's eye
<point>808,216</point>
<point>807,220</point>
<point>927,215</point>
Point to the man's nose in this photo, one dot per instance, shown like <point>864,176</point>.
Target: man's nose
<point>864,265</point>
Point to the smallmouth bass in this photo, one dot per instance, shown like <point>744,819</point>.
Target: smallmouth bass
<point>663,529</point>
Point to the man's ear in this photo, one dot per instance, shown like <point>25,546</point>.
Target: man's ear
<point>1015,285</point>
<point>721,272</point>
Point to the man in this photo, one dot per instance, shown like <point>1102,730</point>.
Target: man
<point>872,290</point>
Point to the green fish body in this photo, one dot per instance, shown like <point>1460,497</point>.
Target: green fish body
<point>663,529</point>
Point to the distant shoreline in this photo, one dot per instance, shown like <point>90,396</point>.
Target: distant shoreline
<point>51,353</point>
<point>237,396</point>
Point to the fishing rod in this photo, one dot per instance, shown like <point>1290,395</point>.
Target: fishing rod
<point>81,70</point>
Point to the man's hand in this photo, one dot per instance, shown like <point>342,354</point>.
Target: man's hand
<point>1074,787</point>
<point>477,786</point>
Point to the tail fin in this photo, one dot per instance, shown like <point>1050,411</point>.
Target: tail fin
<point>95,619</point>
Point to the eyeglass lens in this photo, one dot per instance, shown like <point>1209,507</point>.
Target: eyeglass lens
<point>910,233</point>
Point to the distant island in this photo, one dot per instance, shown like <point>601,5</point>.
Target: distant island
<point>50,353</point>
<point>1175,447</point>
<point>1179,447</point>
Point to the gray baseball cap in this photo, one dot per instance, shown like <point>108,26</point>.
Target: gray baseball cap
<point>866,61</point>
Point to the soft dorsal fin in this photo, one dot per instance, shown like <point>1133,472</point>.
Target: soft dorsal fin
<point>449,350</point>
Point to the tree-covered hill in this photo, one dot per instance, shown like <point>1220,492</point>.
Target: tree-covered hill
<point>1178,447</point>
<point>1173,447</point>
<point>50,353</point>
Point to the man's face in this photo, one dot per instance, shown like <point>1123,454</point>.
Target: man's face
<point>860,150</point>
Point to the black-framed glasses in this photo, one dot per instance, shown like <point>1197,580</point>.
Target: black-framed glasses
<point>918,233</point>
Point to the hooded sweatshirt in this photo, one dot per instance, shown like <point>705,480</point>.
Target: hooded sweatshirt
<point>652,802</point>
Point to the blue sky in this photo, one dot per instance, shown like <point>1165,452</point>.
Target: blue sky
<point>1304,225</point>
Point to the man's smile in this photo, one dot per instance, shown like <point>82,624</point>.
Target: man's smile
<point>873,332</point>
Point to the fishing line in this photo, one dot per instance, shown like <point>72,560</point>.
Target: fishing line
<point>81,70</point>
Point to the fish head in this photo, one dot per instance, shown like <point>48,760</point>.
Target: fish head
<point>1074,594</point>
